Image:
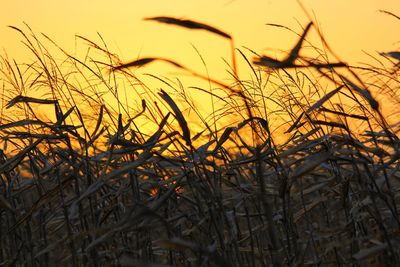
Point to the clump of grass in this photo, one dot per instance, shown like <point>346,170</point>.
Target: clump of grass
<point>297,166</point>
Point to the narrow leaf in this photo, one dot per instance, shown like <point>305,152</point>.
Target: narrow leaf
<point>99,120</point>
<point>190,24</point>
<point>179,116</point>
<point>223,138</point>
<point>330,123</point>
<point>324,99</point>
<point>26,99</point>
<point>143,61</point>
<point>135,63</point>
<point>294,53</point>
<point>294,125</point>
<point>344,114</point>
<point>365,93</point>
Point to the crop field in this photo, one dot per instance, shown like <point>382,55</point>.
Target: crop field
<point>297,165</point>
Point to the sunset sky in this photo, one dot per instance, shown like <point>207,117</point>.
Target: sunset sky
<point>350,27</point>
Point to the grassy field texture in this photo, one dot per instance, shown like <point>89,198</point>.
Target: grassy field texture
<point>297,165</point>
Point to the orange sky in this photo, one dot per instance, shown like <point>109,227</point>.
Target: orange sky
<point>349,28</point>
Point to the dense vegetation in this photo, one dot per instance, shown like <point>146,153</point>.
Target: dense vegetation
<point>93,175</point>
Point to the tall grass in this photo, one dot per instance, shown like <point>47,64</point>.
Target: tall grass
<point>297,165</point>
